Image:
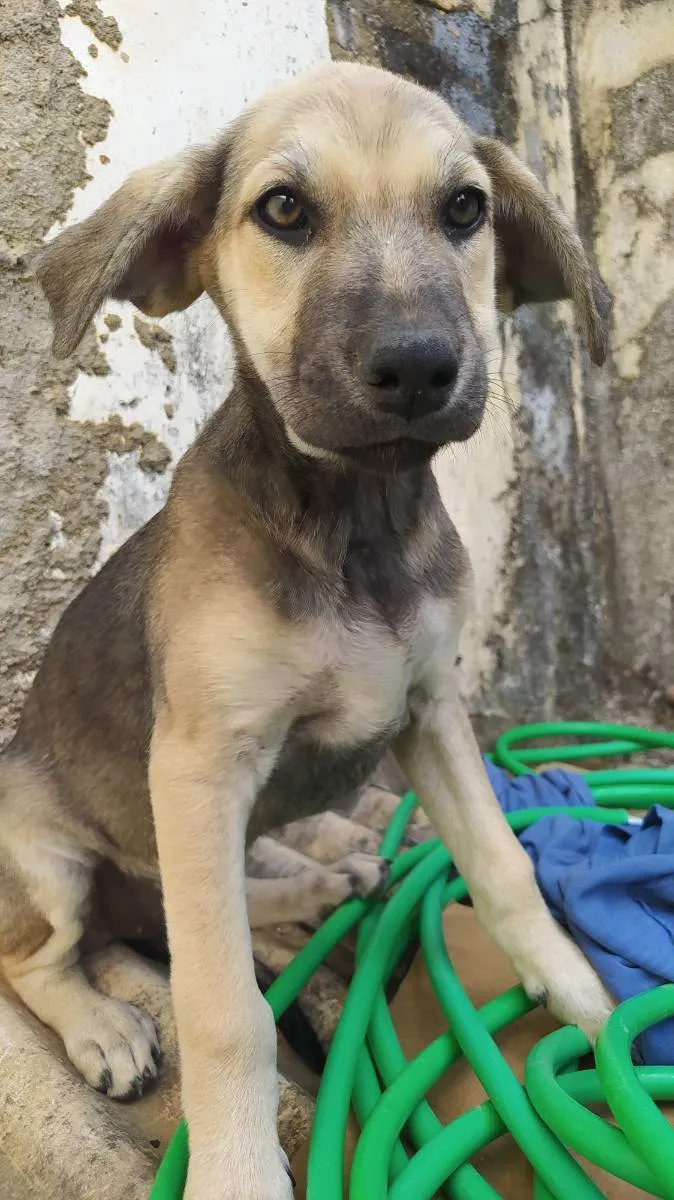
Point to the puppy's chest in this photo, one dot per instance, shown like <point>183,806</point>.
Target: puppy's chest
<point>356,703</point>
<point>367,670</point>
<point>362,690</point>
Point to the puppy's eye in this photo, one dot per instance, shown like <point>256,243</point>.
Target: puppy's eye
<point>281,213</point>
<point>464,211</point>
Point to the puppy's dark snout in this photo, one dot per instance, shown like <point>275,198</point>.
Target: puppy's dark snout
<point>411,373</point>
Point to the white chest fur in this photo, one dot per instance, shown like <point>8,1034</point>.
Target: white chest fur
<point>368,671</point>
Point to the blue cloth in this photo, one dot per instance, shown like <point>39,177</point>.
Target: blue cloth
<point>611,886</point>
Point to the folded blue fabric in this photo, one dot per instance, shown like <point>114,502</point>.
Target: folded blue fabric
<point>611,886</point>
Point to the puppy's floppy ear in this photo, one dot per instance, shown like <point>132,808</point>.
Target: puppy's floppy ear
<point>140,245</point>
<point>541,256</point>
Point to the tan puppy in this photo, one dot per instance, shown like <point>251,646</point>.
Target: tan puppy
<point>296,607</point>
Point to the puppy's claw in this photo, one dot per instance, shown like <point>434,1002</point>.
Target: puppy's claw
<point>105,1082</point>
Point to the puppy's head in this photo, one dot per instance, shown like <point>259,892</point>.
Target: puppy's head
<point>355,235</point>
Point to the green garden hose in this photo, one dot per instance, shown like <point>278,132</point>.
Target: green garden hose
<point>404,1152</point>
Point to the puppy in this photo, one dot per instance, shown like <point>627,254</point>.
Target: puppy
<point>295,609</point>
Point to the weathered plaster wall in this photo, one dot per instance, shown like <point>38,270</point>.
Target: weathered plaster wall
<point>566,497</point>
<point>623,74</point>
<point>50,468</point>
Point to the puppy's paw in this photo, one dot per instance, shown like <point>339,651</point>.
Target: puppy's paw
<point>367,874</point>
<point>556,974</point>
<point>416,835</point>
<point>115,1047</point>
<point>253,1176</point>
<point>356,876</point>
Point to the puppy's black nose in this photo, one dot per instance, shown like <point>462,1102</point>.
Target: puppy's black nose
<point>410,373</point>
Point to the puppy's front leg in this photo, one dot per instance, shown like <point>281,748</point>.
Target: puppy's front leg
<point>201,797</point>
<point>441,760</point>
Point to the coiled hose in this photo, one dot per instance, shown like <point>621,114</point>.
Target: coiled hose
<point>404,1152</point>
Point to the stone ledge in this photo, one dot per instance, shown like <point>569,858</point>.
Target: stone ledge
<point>59,1140</point>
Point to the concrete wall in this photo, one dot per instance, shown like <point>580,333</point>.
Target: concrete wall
<point>566,498</point>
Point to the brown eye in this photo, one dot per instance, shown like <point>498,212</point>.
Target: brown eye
<point>282,214</point>
<point>464,210</point>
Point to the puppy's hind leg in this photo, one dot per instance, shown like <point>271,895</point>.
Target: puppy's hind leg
<point>45,887</point>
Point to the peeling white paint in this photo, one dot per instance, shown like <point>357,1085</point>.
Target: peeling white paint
<point>618,46</point>
<point>546,130</point>
<point>191,68</point>
<point>484,8</point>
<point>57,541</point>
<point>635,254</point>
